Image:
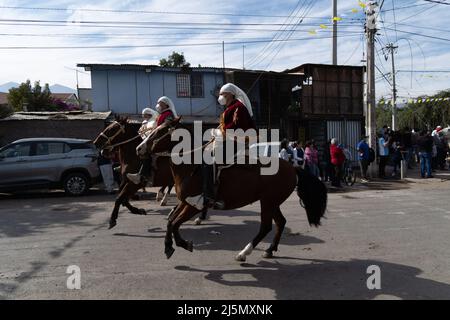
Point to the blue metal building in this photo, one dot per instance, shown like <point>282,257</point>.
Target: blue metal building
<point>128,89</point>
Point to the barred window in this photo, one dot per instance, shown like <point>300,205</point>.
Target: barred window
<point>190,85</point>
<point>196,85</point>
<point>183,85</point>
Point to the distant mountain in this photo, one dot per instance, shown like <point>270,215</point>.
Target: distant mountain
<point>57,88</point>
<point>5,87</point>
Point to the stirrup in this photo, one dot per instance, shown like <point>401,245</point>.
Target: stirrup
<point>134,178</point>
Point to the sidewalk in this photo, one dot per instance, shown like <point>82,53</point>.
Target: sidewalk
<point>412,180</point>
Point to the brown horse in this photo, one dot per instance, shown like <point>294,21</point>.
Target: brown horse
<point>122,135</point>
<point>240,185</point>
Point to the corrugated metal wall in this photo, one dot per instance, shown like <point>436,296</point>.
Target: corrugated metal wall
<point>347,132</point>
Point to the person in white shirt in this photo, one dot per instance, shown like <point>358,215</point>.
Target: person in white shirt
<point>284,154</point>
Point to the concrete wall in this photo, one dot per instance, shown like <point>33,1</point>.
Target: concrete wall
<point>11,131</point>
<point>130,91</point>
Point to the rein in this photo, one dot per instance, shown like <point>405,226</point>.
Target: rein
<point>123,142</point>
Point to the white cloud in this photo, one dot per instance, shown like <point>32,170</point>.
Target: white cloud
<point>51,65</point>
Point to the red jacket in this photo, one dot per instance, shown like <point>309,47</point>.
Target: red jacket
<point>337,155</point>
<point>165,116</point>
<point>236,116</point>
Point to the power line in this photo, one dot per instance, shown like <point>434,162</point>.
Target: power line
<point>161,45</point>
<point>438,2</point>
<point>277,35</point>
<point>157,23</point>
<point>152,12</point>
<point>71,24</point>
<point>421,35</point>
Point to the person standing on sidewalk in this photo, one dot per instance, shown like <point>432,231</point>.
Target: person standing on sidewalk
<point>425,143</point>
<point>363,157</point>
<point>337,160</point>
<point>106,170</point>
<point>383,147</point>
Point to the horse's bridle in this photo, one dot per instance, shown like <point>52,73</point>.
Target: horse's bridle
<point>108,144</point>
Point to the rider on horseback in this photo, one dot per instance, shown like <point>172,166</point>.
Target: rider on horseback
<point>167,113</point>
<point>238,114</point>
<point>150,117</point>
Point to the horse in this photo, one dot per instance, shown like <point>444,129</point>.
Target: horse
<point>240,185</point>
<point>122,135</point>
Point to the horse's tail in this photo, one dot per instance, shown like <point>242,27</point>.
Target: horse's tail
<point>313,194</point>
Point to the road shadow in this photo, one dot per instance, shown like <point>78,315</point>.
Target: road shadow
<point>30,217</point>
<point>324,279</point>
<point>233,237</point>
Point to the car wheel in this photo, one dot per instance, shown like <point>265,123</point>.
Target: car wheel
<point>76,184</point>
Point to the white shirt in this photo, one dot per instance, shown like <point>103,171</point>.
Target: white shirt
<point>284,155</point>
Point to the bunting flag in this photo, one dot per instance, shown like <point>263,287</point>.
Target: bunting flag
<point>411,101</point>
<point>362,4</point>
<point>355,10</point>
<point>337,19</point>
<point>322,26</point>
<point>313,32</point>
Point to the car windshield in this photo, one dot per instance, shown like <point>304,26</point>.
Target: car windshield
<point>17,150</point>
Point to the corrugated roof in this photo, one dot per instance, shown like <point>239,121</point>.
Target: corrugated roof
<point>137,118</point>
<point>72,115</point>
<point>143,66</point>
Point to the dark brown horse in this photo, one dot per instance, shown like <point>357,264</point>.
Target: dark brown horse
<point>240,185</point>
<point>124,136</point>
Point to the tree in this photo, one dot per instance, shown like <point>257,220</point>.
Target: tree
<point>175,60</point>
<point>421,113</point>
<point>36,98</point>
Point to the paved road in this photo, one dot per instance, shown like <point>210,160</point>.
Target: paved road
<point>401,227</point>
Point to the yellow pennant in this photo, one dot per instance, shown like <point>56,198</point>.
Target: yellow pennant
<point>355,10</point>
<point>361,4</point>
<point>313,32</point>
<point>337,19</point>
<point>322,26</point>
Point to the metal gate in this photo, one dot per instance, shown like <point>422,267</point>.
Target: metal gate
<point>348,133</point>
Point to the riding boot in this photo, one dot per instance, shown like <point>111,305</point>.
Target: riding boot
<point>144,173</point>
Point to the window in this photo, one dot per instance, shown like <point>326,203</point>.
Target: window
<point>47,148</point>
<point>18,150</point>
<point>183,85</point>
<point>190,85</point>
<point>196,85</point>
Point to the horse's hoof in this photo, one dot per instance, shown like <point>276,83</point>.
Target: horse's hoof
<point>142,212</point>
<point>112,224</point>
<point>169,252</point>
<point>190,246</point>
<point>267,255</point>
<point>240,258</point>
<point>198,221</point>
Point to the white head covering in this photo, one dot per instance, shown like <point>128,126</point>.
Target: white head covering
<point>239,94</point>
<point>149,112</point>
<point>169,102</point>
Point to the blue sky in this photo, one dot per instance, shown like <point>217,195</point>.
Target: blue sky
<point>231,21</point>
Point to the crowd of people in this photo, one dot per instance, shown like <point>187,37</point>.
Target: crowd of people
<point>335,158</point>
<point>428,150</point>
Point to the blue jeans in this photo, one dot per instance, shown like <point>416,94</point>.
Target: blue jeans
<point>425,163</point>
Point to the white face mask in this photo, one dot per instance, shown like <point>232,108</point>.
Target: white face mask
<point>222,100</point>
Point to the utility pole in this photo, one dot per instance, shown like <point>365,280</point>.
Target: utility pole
<point>391,48</point>
<point>223,54</point>
<point>334,32</point>
<point>371,29</point>
<point>243,57</point>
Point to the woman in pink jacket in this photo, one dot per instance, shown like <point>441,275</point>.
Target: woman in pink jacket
<point>312,159</point>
